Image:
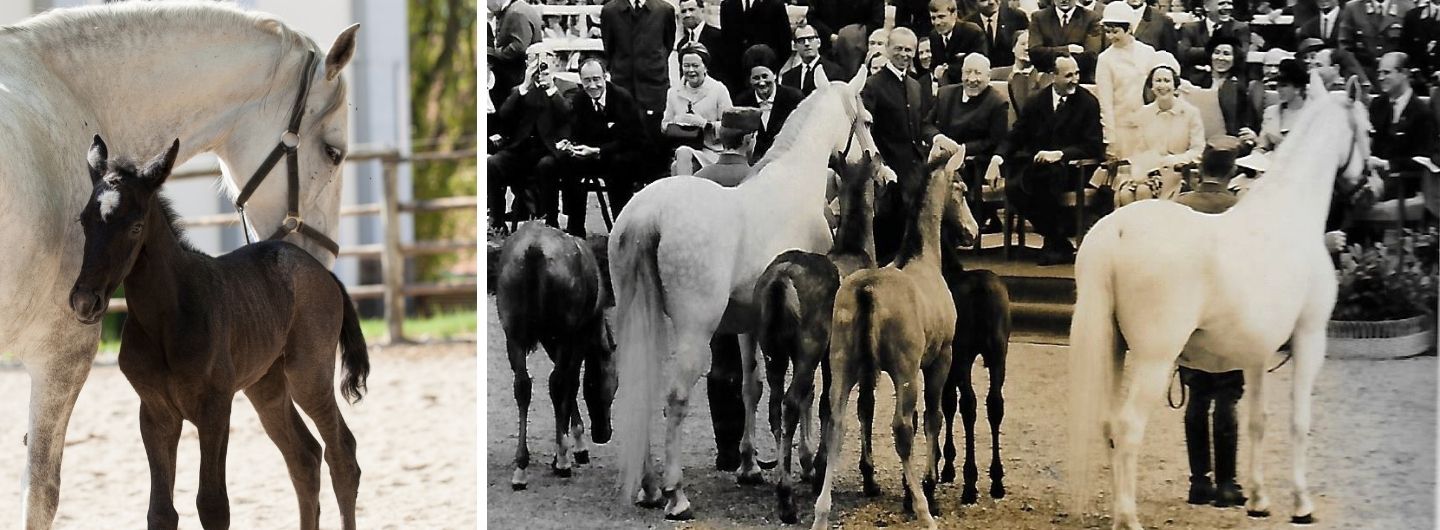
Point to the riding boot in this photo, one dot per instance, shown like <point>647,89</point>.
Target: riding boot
<point>724,388</point>
<point>1229,385</point>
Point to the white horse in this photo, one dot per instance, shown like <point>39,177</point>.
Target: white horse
<point>690,250</point>
<point>141,75</point>
<point>1218,293</point>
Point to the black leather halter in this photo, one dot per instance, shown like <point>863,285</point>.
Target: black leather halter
<point>286,147</point>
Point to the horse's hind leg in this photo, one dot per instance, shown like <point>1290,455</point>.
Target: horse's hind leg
<point>935,376</point>
<point>212,422</point>
<point>867,417</point>
<point>692,355</point>
<point>1259,503</point>
<point>1308,347</point>
<point>1147,383</point>
<point>750,367</point>
<point>287,430</point>
<point>315,394</point>
<point>995,412</point>
<point>564,386</point>
<point>902,425</point>
<point>516,353</point>
<point>581,454</point>
<point>969,493</point>
<point>843,377</point>
<point>58,368</point>
<point>797,405</point>
<point>948,402</point>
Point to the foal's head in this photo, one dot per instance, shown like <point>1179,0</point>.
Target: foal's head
<point>116,224</point>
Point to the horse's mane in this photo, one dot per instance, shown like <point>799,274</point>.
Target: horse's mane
<point>1322,115</point>
<point>131,22</point>
<point>911,244</point>
<point>794,127</point>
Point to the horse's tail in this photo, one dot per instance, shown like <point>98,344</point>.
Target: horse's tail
<point>642,339</point>
<point>865,339</point>
<point>782,308</point>
<point>1095,355</point>
<point>354,355</point>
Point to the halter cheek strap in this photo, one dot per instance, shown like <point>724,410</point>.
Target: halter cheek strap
<point>286,147</point>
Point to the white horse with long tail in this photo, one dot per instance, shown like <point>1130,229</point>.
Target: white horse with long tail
<point>1217,293</point>
<point>142,74</point>
<point>690,250</point>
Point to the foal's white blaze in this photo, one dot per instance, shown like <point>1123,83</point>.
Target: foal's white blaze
<point>108,200</point>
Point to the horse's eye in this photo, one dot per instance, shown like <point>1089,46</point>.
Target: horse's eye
<point>136,228</point>
<point>334,154</point>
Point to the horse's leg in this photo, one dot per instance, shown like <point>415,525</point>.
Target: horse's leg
<point>58,367</point>
<point>519,479</point>
<point>1308,347</point>
<point>969,494</point>
<point>581,454</point>
<point>867,416</point>
<point>564,385</point>
<point>841,374</point>
<point>935,376</point>
<point>902,425</point>
<point>212,422</point>
<point>948,403</point>
<point>995,412</point>
<point>1148,376</point>
<point>160,432</point>
<point>775,365</point>
<point>1259,503</point>
<point>797,406</point>
<point>283,425</point>
<point>817,466</point>
<point>315,394</point>
<point>750,388</point>
<point>692,355</point>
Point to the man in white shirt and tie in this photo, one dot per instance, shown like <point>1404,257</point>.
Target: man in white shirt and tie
<point>812,70</point>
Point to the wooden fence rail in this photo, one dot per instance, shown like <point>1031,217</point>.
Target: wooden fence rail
<point>391,251</point>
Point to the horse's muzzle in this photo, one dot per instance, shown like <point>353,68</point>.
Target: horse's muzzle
<point>89,308</point>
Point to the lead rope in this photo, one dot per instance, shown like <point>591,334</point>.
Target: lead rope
<point>1170,395</point>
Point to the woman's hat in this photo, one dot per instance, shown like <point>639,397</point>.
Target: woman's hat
<point>1292,72</point>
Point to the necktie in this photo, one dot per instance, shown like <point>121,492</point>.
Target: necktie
<point>1064,18</point>
<point>1063,97</point>
<point>599,105</point>
<point>1325,25</point>
<point>807,79</point>
<point>990,28</point>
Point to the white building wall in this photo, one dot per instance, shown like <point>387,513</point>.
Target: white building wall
<point>379,101</point>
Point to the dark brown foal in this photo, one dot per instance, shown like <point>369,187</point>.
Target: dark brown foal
<point>265,319</point>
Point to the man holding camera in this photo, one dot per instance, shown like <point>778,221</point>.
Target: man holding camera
<point>535,117</point>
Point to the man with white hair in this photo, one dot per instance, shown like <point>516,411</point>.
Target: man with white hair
<point>971,113</point>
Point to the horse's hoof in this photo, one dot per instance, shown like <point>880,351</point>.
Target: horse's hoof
<point>582,457</point>
<point>766,464</point>
<point>562,473</point>
<point>682,516</point>
<point>1303,519</point>
<point>871,489</point>
<point>997,491</point>
<point>517,487</point>
<point>750,479</point>
<point>947,475</point>
<point>788,515</point>
<point>727,462</point>
<point>650,504</point>
<point>970,495</point>
<point>1258,513</point>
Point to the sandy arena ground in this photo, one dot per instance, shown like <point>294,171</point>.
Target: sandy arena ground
<point>1372,458</point>
<point>415,428</point>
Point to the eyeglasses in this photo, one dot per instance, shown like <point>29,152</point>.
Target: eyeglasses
<point>807,38</point>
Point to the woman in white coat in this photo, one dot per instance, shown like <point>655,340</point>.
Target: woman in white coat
<point>1120,74</point>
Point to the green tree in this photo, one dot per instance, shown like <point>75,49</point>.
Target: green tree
<point>443,91</point>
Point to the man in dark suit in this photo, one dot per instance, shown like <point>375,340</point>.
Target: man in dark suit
<point>913,14</point>
<point>517,28</point>
<point>1218,22</point>
<point>538,116</point>
<point>745,23</point>
<point>999,24</point>
<point>605,139</point>
<point>1154,27</point>
<point>897,106</point>
<point>775,101</point>
<point>829,16</point>
<point>1404,128</point>
<point>814,69</point>
<point>695,28</point>
<point>1420,37</point>
<point>1325,26</point>
<point>1058,125</point>
<point>951,39</point>
<point>1066,30</point>
<point>637,35</point>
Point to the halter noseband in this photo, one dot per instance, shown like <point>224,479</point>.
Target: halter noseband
<point>289,140</point>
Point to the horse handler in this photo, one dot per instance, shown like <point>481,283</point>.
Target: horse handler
<point>1217,166</point>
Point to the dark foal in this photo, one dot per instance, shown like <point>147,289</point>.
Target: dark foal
<point>982,329</point>
<point>552,291</point>
<point>796,294</point>
<point>265,319</point>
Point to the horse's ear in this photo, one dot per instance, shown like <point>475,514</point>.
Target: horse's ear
<point>1317,86</point>
<point>158,169</point>
<point>858,82</point>
<point>97,158</point>
<point>1354,90</point>
<point>340,52</point>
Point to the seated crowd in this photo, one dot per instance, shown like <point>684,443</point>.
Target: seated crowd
<point>1122,97</point>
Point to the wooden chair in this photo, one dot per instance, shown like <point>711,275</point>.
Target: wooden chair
<point>595,183</point>
<point>1084,196</point>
